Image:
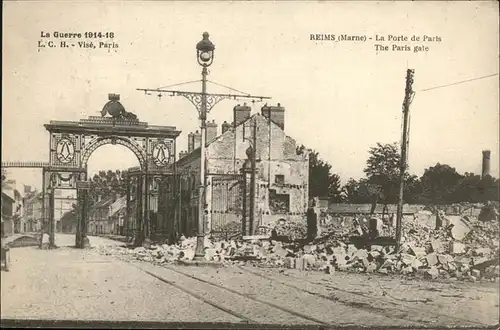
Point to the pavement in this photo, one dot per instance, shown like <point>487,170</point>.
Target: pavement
<point>68,285</point>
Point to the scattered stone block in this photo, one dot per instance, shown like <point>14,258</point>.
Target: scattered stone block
<point>388,263</point>
<point>418,252</point>
<point>309,261</point>
<point>476,273</point>
<point>383,271</point>
<point>416,264</point>
<point>361,254</point>
<point>433,272</point>
<point>341,259</point>
<point>300,263</point>
<point>457,248</point>
<point>309,249</point>
<point>437,246</point>
<point>478,261</point>
<point>365,262</point>
<point>407,270</point>
<point>344,267</point>
<point>432,259</point>
<point>375,254</point>
<point>407,259</point>
<point>460,228</point>
<point>351,249</point>
<point>280,251</point>
<point>444,258</point>
<point>371,267</point>
<point>210,253</point>
<point>483,252</point>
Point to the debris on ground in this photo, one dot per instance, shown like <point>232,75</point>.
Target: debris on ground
<point>463,249</point>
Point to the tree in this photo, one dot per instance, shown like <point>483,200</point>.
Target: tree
<point>335,189</point>
<point>360,192</point>
<point>106,184</point>
<point>474,188</point>
<point>439,183</point>
<point>488,189</point>
<point>321,181</point>
<point>412,193</point>
<point>383,169</point>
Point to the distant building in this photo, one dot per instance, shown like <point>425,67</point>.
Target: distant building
<point>281,174</point>
<point>33,217</point>
<point>98,217</point>
<point>15,213</point>
<point>116,216</point>
<point>107,216</point>
<point>7,213</point>
<point>63,203</point>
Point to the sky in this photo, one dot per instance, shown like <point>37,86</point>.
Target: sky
<point>341,98</point>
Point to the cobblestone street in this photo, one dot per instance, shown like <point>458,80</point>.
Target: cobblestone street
<point>72,284</point>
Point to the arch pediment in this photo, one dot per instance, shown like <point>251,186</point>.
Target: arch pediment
<point>72,143</point>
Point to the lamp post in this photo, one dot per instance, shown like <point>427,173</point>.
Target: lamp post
<point>203,102</point>
<point>205,56</point>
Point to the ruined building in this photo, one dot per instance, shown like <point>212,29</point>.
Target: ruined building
<point>254,176</point>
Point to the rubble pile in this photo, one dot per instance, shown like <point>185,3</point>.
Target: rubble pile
<point>484,234</point>
<point>424,252</point>
<point>291,231</point>
<point>463,250</point>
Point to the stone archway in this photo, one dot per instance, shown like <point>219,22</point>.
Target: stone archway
<point>72,143</point>
<point>113,140</point>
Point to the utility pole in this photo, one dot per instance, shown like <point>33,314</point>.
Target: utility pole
<point>252,157</point>
<point>404,144</point>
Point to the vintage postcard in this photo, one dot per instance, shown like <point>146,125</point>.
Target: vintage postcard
<point>250,164</point>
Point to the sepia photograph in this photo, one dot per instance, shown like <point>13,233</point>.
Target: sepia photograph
<point>250,164</point>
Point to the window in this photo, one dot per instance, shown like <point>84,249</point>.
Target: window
<point>279,203</point>
<point>279,179</point>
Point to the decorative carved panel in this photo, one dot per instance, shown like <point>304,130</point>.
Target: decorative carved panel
<point>160,153</point>
<point>65,150</point>
<point>63,179</point>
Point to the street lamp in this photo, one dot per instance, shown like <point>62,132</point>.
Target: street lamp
<point>205,56</point>
<point>203,103</point>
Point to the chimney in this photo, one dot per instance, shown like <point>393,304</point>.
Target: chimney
<point>486,163</point>
<point>211,131</point>
<point>196,140</point>
<point>275,113</point>
<point>190,142</point>
<point>183,154</point>
<point>225,127</point>
<point>241,113</point>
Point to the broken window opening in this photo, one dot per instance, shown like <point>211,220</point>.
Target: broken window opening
<point>279,203</point>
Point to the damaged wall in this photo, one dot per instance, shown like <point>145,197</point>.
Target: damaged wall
<point>281,173</point>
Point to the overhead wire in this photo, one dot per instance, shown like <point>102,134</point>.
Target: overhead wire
<point>233,89</point>
<point>179,84</point>
<point>459,82</point>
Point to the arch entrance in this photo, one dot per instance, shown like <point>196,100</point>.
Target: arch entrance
<point>73,142</point>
